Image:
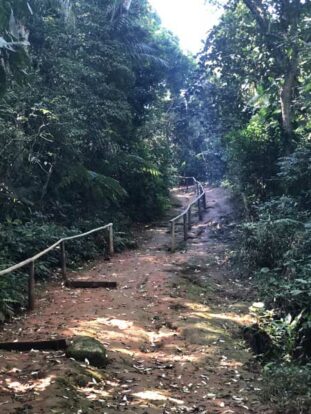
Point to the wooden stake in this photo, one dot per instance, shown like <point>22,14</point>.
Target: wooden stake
<point>200,210</point>
<point>63,261</point>
<point>185,227</point>
<point>31,287</point>
<point>173,236</point>
<point>189,219</point>
<point>111,246</point>
<point>204,201</point>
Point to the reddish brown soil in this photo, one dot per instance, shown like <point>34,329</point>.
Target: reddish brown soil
<point>171,330</point>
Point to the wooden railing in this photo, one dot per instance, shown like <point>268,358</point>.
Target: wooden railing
<point>186,216</point>
<point>31,261</point>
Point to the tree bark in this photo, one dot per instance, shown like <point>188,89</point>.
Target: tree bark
<point>127,4</point>
<point>286,98</point>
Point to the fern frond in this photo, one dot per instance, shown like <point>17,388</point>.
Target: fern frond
<point>140,165</point>
<point>100,185</point>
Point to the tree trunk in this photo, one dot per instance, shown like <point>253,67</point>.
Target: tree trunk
<point>127,4</point>
<point>286,98</point>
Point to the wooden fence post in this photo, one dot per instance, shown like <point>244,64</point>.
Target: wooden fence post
<point>111,246</point>
<point>173,236</point>
<point>204,201</point>
<point>31,287</point>
<point>185,227</point>
<point>200,210</point>
<point>63,261</point>
<point>189,219</point>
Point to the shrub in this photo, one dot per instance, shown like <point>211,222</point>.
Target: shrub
<point>267,242</point>
<point>289,387</point>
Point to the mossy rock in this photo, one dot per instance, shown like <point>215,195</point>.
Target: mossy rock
<point>85,347</point>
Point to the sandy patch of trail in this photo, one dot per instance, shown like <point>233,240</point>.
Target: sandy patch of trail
<point>171,330</point>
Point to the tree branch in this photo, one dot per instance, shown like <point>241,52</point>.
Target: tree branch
<point>259,13</point>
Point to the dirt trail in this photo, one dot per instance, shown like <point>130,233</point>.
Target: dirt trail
<point>171,330</point>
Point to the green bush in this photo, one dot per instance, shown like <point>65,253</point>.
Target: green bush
<point>266,243</point>
<point>276,251</point>
<point>295,175</point>
<point>252,154</point>
<point>289,387</point>
<point>12,294</point>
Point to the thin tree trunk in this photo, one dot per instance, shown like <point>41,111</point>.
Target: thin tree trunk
<point>286,98</point>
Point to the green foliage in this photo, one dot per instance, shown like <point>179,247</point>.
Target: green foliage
<point>268,242</point>
<point>251,156</point>
<point>295,175</point>
<point>288,387</point>
<point>277,249</point>
<point>85,127</point>
<point>12,296</point>
<point>283,332</point>
<point>245,118</point>
<point>95,87</point>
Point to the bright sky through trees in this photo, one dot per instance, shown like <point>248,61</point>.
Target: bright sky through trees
<point>190,20</point>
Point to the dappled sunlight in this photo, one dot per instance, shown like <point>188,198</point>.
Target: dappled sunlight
<point>149,258</point>
<point>129,338</point>
<point>153,395</point>
<point>230,363</point>
<point>117,323</point>
<point>208,328</point>
<point>197,324</point>
<point>238,319</point>
<point>93,394</point>
<point>127,352</point>
<point>120,330</point>
<point>205,312</point>
<point>164,333</point>
<point>170,356</point>
<point>111,336</point>
<point>197,306</point>
<point>35,385</point>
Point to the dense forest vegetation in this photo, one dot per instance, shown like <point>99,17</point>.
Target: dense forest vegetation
<point>249,119</point>
<point>99,108</point>
<point>87,91</point>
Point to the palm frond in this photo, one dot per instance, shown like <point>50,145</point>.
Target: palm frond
<point>139,51</point>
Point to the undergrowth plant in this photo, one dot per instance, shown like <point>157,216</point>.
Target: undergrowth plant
<point>276,252</point>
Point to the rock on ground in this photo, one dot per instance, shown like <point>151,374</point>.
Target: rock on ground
<point>86,348</point>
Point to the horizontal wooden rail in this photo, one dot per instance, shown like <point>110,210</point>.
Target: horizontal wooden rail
<point>31,261</point>
<point>186,215</point>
